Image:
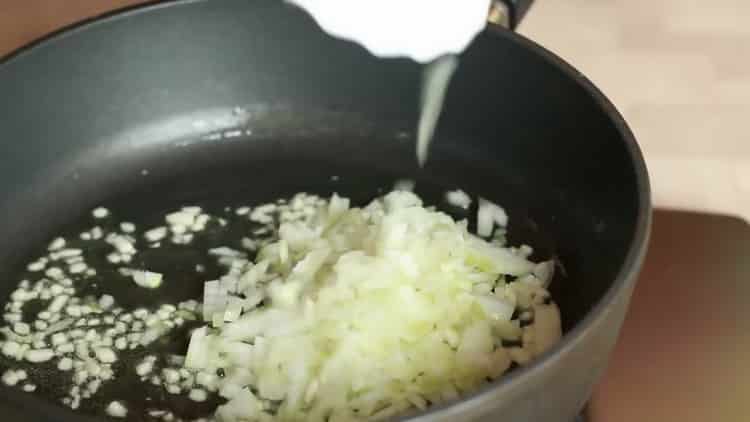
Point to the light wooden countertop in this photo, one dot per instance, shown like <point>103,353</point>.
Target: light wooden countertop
<point>679,70</point>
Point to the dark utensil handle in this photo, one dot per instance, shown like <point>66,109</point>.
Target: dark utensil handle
<point>508,13</point>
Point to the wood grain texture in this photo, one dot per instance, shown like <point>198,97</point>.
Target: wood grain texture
<point>679,71</point>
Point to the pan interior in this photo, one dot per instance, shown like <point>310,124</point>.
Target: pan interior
<point>142,184</point>
<point>251,102</point>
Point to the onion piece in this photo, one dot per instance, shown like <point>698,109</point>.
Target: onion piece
<point>495,307</point>
<point>352,301</point>
<point>214,299</point>
<point>407,185</point>
<point>458,198</point>
<point>233,309</point>
<point>226,252</point>
<point>547,327</point>
<point>197,353</point>
<point>252,277</point>
<point>147,279</point>
<point>488,215</point>
<point>337,206</point>
<point>544,271</point>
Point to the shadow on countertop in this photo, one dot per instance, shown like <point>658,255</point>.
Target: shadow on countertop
<point>683,351</point>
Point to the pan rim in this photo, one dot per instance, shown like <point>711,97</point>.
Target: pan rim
<point>596,316</point>
<point>626,276</point>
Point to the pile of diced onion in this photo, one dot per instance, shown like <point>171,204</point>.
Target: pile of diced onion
<point>366,313</point>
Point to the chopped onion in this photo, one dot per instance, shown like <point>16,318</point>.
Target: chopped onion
<point>214,299</point>
<point>544,271</point>
<point>458,198</point>
<point>401,199</point>
<point>233,309</point>
<point>407,185</point>
<point>147,279</point>
<point>337,206</point>
<point>495,307</point>
<point>227,252</point>
<point>488,215</point>
<point>547,327</point>
<point>197,353</point>
<point>251,278</point>
<point>180,218</point>
<point>355,298</point>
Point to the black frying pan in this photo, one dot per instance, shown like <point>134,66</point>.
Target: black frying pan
<point>158,88</point>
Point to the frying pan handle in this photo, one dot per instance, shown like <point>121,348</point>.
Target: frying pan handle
<point>508,13</point>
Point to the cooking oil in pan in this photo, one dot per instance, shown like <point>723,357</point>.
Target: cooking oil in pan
<point>106,311</point>
<point>428,32</point>
<point>435,79</point>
